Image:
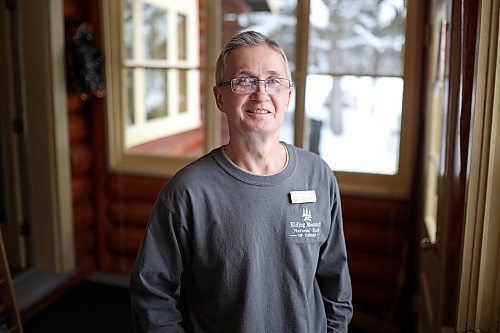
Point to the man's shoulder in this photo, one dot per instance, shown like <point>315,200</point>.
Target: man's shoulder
<point>195,174</point>
<point>307,158</point>
<point>198,169</point>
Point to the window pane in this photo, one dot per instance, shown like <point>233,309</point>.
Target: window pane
<point>156,94</point>
<point>354,93</point>
<point>155,32</point>
<point>278,22</point>
<point>363,37</point>
<point>354,122</point>
<point>167,117</point>
<point>128,29</point>
<point>182,35</point>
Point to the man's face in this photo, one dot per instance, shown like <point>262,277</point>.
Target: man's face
<point>258,113</point>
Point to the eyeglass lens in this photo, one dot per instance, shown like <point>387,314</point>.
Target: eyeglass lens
<point>251,85</point>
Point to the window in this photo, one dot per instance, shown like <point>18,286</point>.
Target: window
<point>155,64</point>
<point>355,69</point>
<point>355,89</point>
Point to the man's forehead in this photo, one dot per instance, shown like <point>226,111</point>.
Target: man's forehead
<point>245,59</point>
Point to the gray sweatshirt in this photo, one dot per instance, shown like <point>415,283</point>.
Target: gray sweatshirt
<point>250,253</point>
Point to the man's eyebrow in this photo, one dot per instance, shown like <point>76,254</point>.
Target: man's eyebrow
<point>251,73</point>
<point>244,72</point>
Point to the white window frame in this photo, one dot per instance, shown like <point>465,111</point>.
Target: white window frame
<point>177,121</point>
<point>396,186</point>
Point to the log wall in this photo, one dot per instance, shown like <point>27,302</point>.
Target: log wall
<point>81,159</point>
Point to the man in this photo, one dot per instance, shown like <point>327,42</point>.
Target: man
<point>251,232</point>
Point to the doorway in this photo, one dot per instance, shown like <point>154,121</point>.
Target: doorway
<point>15,199</point>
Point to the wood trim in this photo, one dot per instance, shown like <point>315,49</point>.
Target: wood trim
<point>119,158</point>
<point>456,169</point>
<point>8,304</point>
<point>300,75</point>
<point>213,28</point>
<point>13,144</point>
<point>479,297</point>
<point>48,143</point>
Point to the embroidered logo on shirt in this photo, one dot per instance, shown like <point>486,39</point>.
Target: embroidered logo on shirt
<point>305,229</point>
<point>306,215</point>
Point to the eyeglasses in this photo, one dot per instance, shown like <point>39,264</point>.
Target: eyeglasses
<point>249,85</point>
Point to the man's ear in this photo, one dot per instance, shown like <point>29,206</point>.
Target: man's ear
<point>289,98</point>
<point>218,99</point>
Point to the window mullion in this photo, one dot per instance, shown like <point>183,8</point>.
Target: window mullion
<point>137,23</point>
<point>300,75</point>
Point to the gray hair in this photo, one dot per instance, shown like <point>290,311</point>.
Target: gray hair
<point>247,38</point>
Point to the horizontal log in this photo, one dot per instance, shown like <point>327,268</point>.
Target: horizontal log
<point>373,299</point>
<point>74,102</point>
<point>125,242</point>
<point>83,216</point>
<point>81,160</point>
<point>81,189</point>
<point>130,214</point>
<point>377,211</point>
<point>85,242</point>
<point>85,265</point>
<point>120,265</point>
<point>367,322</point>
<point>129,188</point>
<point>368,238</point>
<point>375,270</point>
<point>79,128</point>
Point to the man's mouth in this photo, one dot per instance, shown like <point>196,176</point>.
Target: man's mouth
<point>258,111</point>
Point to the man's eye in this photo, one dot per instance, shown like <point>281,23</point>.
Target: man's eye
<point>273,82</point>
<point>245,82</point>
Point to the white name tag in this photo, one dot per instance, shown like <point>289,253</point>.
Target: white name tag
<point>303,196</point>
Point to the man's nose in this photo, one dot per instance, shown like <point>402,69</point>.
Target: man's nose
<point>260,93</point>
<point>261,86</point>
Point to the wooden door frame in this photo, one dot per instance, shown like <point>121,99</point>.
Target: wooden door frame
<point>479,300</point>
<point>12,146</point>
<point>43,87</point>
<point>42,37</point>
<point>449,252</point>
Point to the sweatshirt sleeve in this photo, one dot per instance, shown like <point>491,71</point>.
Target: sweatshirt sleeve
<point>157,273</point>
<point>333,273</point>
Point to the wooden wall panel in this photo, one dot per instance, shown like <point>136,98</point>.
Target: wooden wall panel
<point>122,187</point>
<point>84,218</point>
<point>131,199</point>
<point>378,236</point>
<point>126,242</point>
<point>86,264</point>
<point>79,128</point>
<point>85,242</point>
<point>131,214</point>
<point>81,188</point>
<point>81,158</point>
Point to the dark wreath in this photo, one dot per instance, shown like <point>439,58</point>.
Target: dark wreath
<point>85,63</point>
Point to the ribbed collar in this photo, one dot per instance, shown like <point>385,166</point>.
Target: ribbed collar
<point>253,179</point>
